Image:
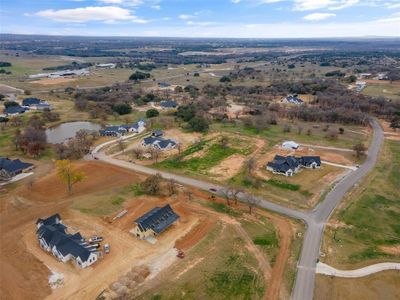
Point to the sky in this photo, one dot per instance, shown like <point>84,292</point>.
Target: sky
<point>203,18</point>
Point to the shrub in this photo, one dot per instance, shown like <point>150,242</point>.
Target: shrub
<point>152,112</point>
<point>122,109</point>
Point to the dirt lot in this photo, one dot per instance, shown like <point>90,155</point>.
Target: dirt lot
<point>27,267</point>
<point>382,285</point>
<point>23,275</point>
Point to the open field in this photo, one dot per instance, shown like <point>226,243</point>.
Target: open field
<point>365,228</point>
<point>378,88</point>
<point>275,133</point>
<point>383,285</point>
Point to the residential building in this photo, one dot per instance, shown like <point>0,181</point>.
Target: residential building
<point>293,99</point>
<point>53,237</point>
<point>106,66</point>
<point>10,168</point>
<point>159,143</point>
<point>168,104</point>
<point>14,110</point>
<point>154,222</point>
<point>291,165</point>
<point>30,101</point>
<point>120,130</point>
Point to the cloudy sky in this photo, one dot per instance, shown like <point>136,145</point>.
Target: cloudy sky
<point>202,18</point>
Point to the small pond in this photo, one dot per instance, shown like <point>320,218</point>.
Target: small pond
<point>65,131</point>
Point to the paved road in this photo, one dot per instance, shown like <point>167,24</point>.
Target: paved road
<point>305,279</point>
<point>331,271</point>
<point>315,220</point>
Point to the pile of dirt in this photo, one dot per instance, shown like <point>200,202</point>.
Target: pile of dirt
<point>127,283</point>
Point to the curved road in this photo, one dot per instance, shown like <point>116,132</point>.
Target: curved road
<point>315,220</point>
<point>368,270</point>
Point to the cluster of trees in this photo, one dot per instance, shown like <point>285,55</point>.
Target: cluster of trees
<point>5,64</point>
<point>32,140</point>
<point>77,147</point>
<point>137,76</point>
<point>72,66</point>
<point>191,114</point>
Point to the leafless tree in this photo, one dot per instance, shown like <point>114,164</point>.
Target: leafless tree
<point>251,201</point>
<point>359,149</point>
<point>172,186</point>
<point>250,165</point>
<point>155,154</point>
<point>137,152</point>
<point>224,140</point>
<point>152,184</point>
<point>121,145</point>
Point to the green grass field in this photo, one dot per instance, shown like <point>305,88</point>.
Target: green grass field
<point>371,218</point>
<point>230,271</point>
<point>385,88</point>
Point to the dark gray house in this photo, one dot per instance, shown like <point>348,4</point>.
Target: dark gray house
<point>155,222</point>
<point>10,168</point>
<point>289,165</point>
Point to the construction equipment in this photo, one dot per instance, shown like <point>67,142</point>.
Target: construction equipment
<point>181,254</point>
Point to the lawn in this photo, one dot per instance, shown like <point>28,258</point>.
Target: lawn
<point>297,191</point>
<point>230,271</point>
<point>370,229</point>
<point>104,203</point>
<point>264,235</point>
<point>275,133</point>
<point>213,154</point>
<point>384,88</point>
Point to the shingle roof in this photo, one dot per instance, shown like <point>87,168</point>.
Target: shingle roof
<point>14,110</point>
<point>168,103</point>
<point>30,101</point>
<point>13,166</point>
<point>158,219</point>
<point>54,219</point>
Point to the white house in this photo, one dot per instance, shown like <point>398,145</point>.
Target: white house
<point>53,237</point>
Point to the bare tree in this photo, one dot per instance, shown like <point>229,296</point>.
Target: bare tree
<point>137,152</point>
<point>251,201</point>
<point>179,147</point>
<point>226,194</point>
<point>121,145</point>
<point>359,149</point>
<point>155,154</point>
<point>152,184</point>
<point>172,186</point>
<point>235,191</point>
<point>250,165</point>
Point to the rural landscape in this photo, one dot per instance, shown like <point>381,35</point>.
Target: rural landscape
<point>198,168</point>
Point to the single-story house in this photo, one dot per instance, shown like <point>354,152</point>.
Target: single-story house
<point>120,130</point>
<point>310,162</point>
<point>53,237</point>
<point>14,110</point>
<point>290,145</point>
<point>293,99</point>
<point>106,66</point>
<point>155,222</point>
<point>163,84</point>
<point>113,131</point>
<point>159,143</point>
<point>137,127</point>
<point>287,166</point>
<point>290,165</point>
<point>30,101</point>
<point>157,133</point>
<point>168,104</point>
<point>41,106</point>
<point>10,168</point>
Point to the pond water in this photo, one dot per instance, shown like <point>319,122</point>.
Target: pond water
<point>65,131</point>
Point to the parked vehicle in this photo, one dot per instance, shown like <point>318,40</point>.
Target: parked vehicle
<point>181,254</point>
<point>106,248</point>
<point>95,239</point>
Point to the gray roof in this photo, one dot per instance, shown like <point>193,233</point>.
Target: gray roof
<point>168,104</point>
<point>158,219</point>
<point>13,166</point>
